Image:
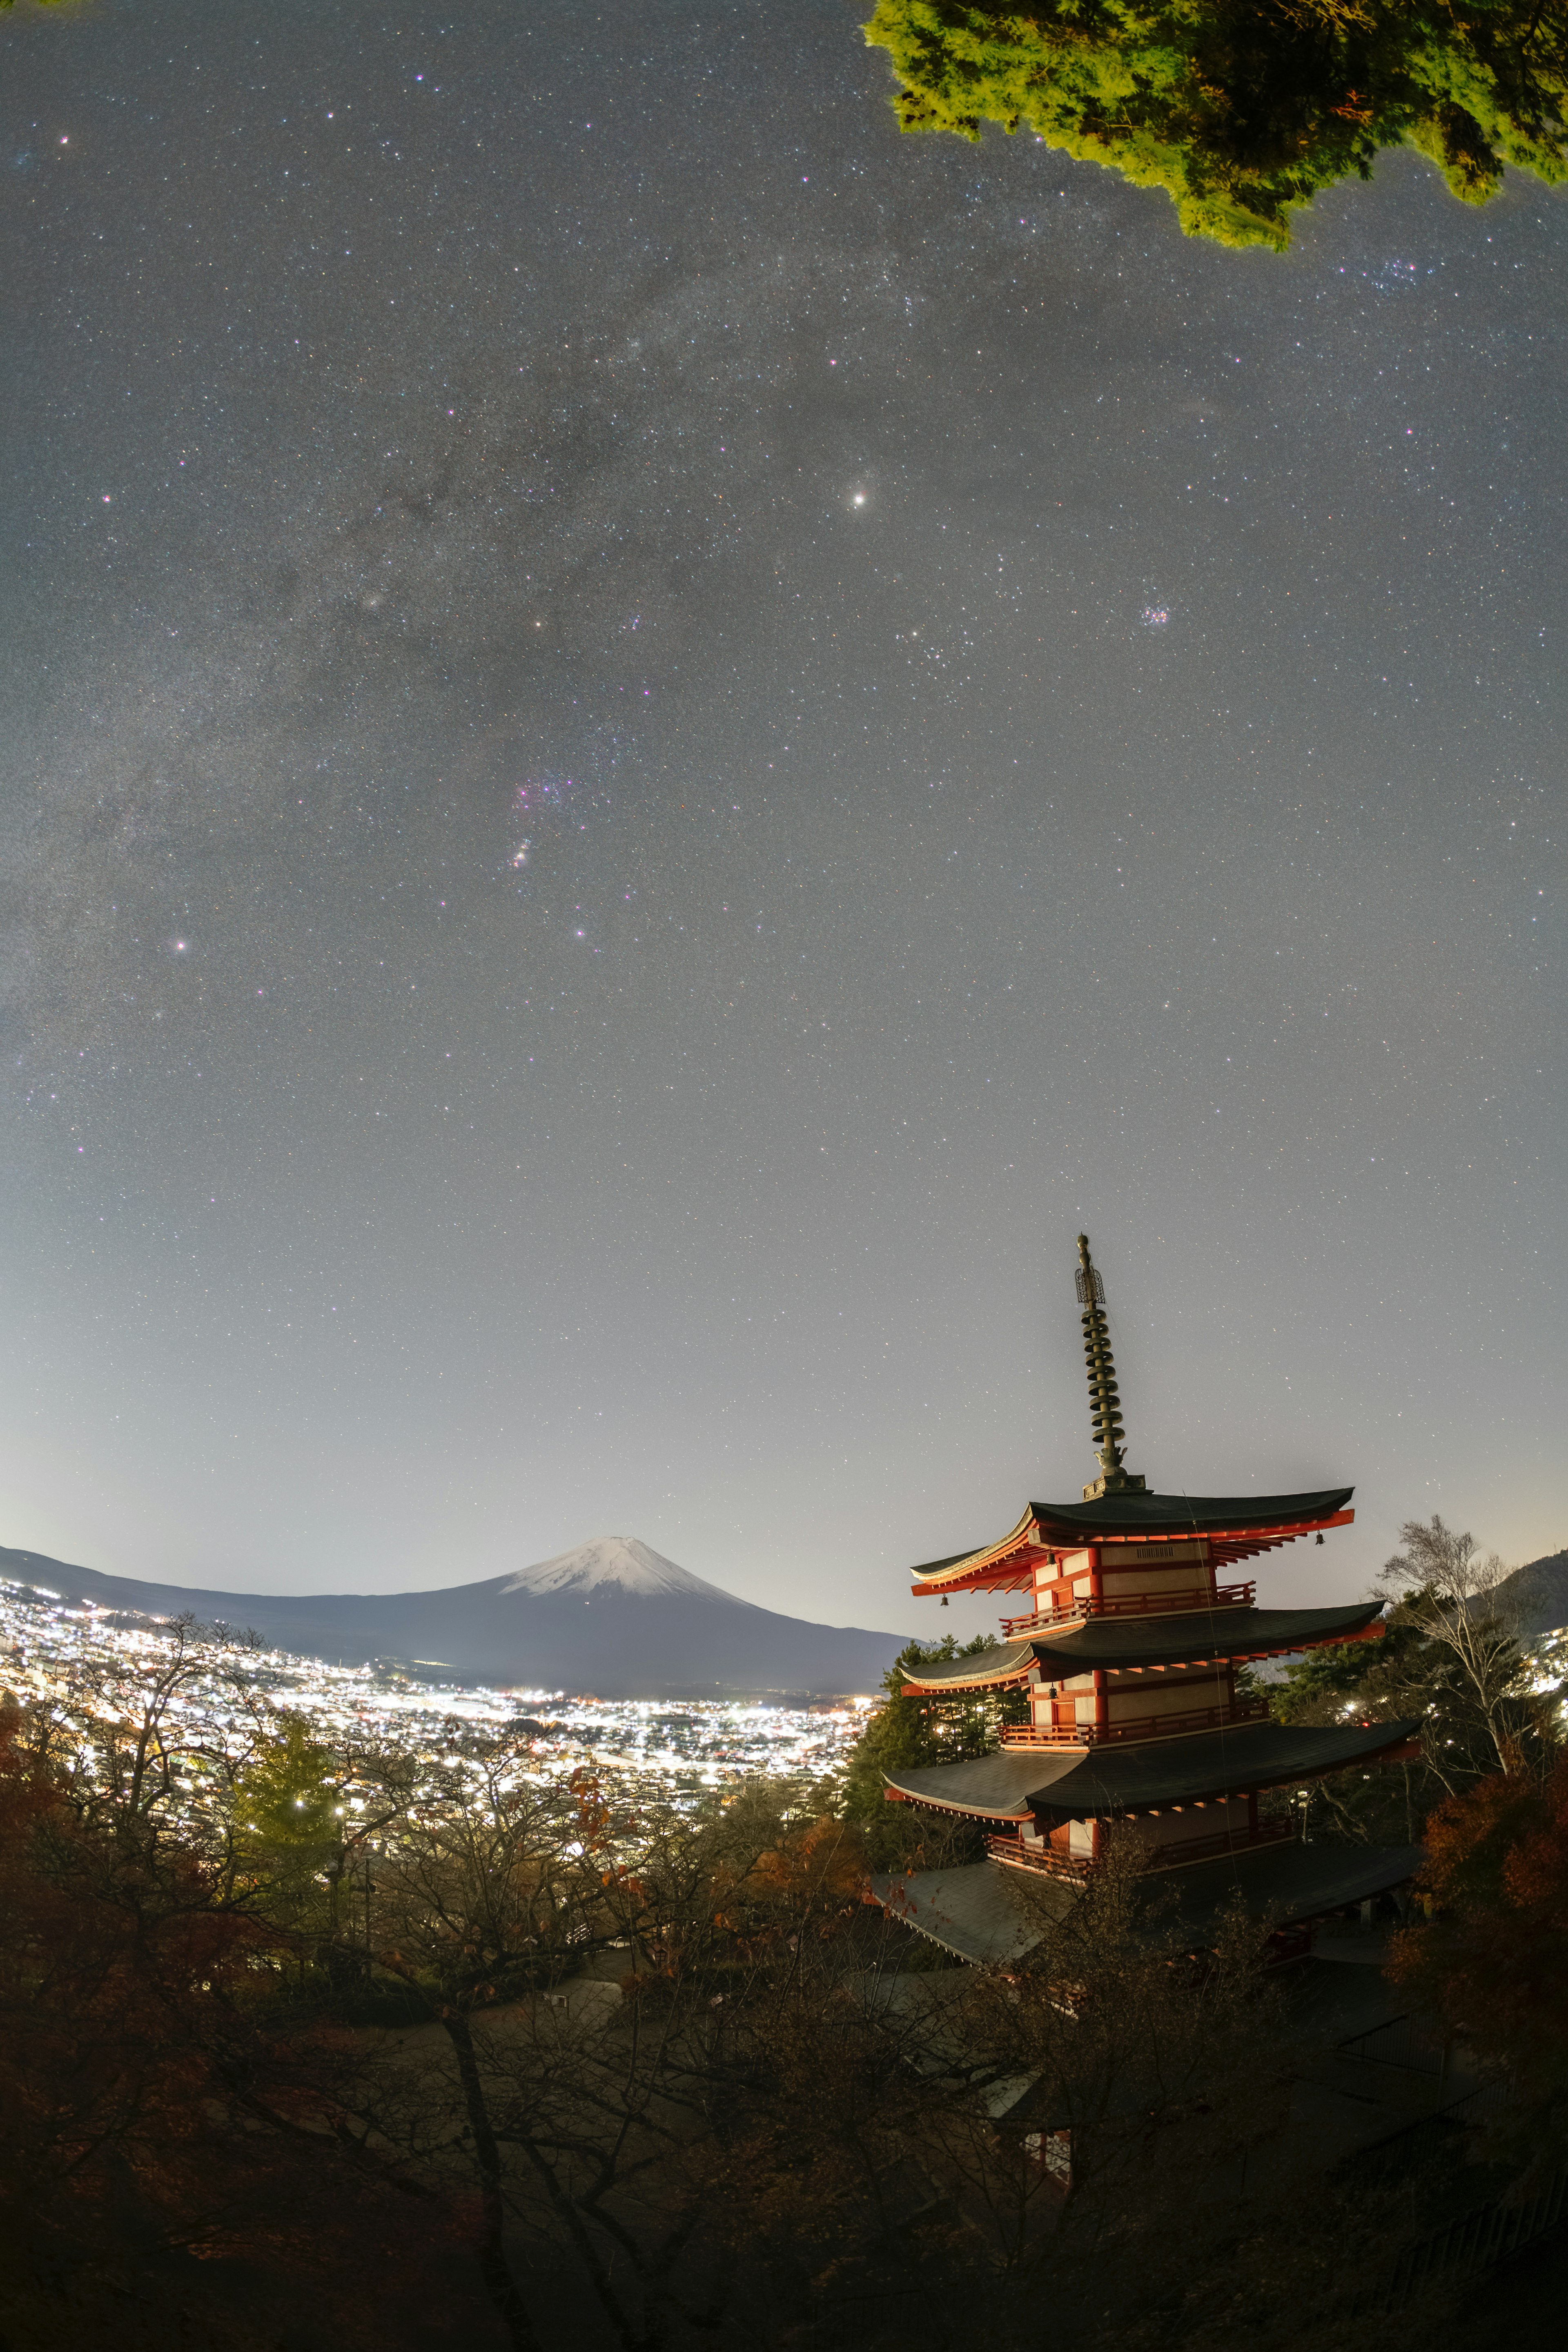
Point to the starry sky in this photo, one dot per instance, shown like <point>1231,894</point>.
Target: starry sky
<point>655,738</point>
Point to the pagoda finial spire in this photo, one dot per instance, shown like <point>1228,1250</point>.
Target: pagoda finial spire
<point>1104,1402</point>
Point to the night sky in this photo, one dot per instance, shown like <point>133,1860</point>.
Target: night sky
<point>655,737</point>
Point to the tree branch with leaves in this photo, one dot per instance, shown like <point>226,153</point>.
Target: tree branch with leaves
<point>1243,110</point>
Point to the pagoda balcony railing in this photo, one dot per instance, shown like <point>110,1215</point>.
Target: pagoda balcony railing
<point>1133,1727</point>
<point>1273,1830</point>
<point>1224,1596</point>
<point>1173,1856</point>
<point>1038,1857</point>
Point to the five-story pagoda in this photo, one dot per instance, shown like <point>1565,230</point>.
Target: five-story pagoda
<point>1125,1655</point>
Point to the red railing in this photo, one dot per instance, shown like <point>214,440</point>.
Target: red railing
<point>1224,1596</point>
<point>1013,1851</point>
<point>1041,1857</point>
<point>1133,1727</point>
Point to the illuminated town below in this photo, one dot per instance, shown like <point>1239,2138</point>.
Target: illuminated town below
<point>52,1649</point>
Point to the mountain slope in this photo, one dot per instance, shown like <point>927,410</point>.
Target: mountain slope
<point>1536,1596</point>
<point>613,1617</point>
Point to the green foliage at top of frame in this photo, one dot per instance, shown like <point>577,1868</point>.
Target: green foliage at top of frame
<point>1242,109</point>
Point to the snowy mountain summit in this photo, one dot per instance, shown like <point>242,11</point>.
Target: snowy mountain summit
<point>613,1617</point>
<point>617,1563</point>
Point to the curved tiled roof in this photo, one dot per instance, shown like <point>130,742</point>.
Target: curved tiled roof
<point>1068,1784</point>
<point>1176,1515</point>
<point>1238,1525</point>
<point>1179,1637</point>
<point>983,1913</point>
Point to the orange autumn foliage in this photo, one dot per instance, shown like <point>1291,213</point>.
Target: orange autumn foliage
<point>1492,1957</point>
<point>811,1880</point>
<point>822,1864</point>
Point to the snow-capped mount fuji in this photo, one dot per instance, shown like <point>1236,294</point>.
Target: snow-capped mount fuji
<point>619,1563</point>
<point>613,1616</point>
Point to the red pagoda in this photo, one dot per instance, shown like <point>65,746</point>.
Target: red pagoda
<point>1125,1654</point>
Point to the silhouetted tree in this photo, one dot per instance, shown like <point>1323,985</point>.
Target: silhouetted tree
<point>600,2116</point>
<point>676,2055</point>
<point>1450,1656</point>
<point>1492,1960</point>
<point>1453,1595</point>
<point>152,2112</point>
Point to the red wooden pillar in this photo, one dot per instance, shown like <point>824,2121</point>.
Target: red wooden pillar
<point>1101,1704</point>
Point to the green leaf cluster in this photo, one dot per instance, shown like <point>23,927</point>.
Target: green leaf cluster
<point>1394,1674</point>
<point>911,1729</point>
<point>1242,110</point>
<point>287,1799</point>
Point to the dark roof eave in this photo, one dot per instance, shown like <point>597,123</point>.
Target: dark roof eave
<point>1012,1783</point>
<point>1137,1513</point>
<point>1185,1637</point>
<point>970,1914</point>
<point>1257,1522</point>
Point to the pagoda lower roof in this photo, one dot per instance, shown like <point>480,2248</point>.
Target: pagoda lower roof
<point>1235,1527</point>
<point>1016,1784</point>
<point>1186,1637</point>
<point>990,1914</point>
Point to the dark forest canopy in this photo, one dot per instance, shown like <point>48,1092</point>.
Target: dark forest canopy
<point>1243,109</point>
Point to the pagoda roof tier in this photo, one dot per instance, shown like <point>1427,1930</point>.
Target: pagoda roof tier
<point>1234,1528</point>
<point>1016,1784</point>
<point>1136,1644</point>
<point>981,1912</point>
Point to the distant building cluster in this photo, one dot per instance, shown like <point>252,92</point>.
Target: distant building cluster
<point>52,1648</point>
